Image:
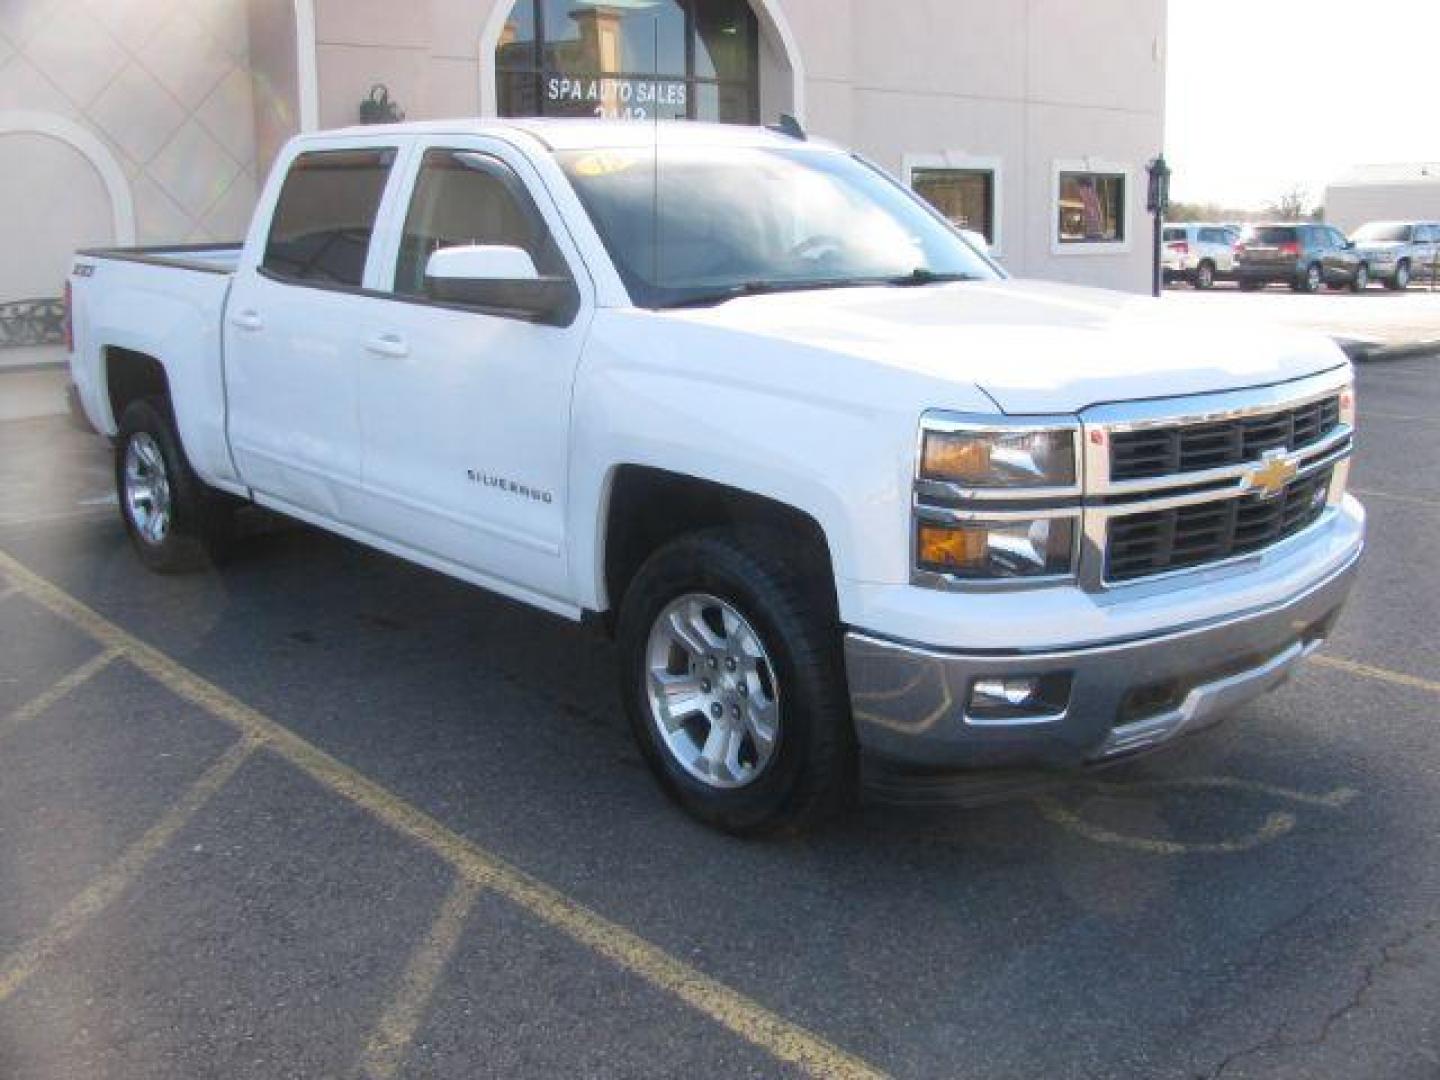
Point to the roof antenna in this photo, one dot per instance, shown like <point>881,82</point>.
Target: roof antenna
<point>789,127</point>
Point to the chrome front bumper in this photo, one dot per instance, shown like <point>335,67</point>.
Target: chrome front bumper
<point>911,704</point>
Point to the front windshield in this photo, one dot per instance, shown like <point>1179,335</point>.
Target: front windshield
<point>1382,232</point>
<point>735,220</point>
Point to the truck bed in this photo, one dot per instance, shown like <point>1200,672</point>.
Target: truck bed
<point>206,258</point>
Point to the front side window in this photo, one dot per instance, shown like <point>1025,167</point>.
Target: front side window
<point>320,232</point>
<point>965,196</point>
<point>725,222</point>
<point>464,197</point>
<point>651,60</point>
<point>1091,208</point>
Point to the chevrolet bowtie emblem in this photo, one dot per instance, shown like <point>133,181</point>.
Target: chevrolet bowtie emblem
<point>1273,474</point>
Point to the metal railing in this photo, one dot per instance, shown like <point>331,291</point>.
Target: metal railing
<point>32,322</point>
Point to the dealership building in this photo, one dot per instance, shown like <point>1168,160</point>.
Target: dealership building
<point>154,121</point>
<point>1399,192</point>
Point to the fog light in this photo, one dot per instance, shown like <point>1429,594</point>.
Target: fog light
<point>1019,697</point>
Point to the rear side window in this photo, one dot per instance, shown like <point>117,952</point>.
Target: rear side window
<point>1273,235</point>
<point>466,197</point>
<point>326,214</point>
<point>1172,234</point>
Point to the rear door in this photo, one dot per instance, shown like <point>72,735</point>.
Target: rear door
<point>292,331</point>
<point>466,411</point>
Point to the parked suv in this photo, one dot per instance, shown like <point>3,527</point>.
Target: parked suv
<point>1398,251</point>
<point>1199,254</point>
<point>1303,256</point>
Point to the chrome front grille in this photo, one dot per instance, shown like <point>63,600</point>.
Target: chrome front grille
<point>1181,485</point>
<point>1166,450</point>
<point>1182,537</point>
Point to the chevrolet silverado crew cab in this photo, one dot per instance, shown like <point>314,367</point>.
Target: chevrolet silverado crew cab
<point>845,494</point>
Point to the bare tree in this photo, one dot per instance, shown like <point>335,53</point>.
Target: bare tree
<point>1291,205</point>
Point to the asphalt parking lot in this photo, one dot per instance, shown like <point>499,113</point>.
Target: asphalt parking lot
<point>323,814</point>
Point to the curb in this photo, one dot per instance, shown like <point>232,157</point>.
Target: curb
<point>1367,352</point>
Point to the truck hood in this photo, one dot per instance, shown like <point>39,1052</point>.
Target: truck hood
<point>1032,347</point>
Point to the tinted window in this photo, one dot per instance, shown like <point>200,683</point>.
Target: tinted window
<point>1214,236</point>
<point>463,197</point>
<point>1270,234</point>
<point>1383,231</point>
<point>733,219</point>
<point>1092,208</point>
<point>1174,234</point>
<point>326,214</point>
<point>966,197</point>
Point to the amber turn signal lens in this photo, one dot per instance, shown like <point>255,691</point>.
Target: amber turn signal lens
<point>958,548</point>
<point>955,457</point>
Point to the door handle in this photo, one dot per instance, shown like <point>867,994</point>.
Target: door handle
<point>247,320</point>
<point>392,345</point>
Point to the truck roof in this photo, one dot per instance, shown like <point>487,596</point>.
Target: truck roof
<point>571,134</point>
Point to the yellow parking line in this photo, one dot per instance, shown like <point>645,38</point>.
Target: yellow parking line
<point>1369,671</point>
<point>1275,826</point>
<point>784,1040</point>
<point>38,704</point>
<point>115,879</point>
<point>396,1030</point>
<point>1413,500</point>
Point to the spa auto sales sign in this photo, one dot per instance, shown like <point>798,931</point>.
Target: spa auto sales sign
<point>617,99</point>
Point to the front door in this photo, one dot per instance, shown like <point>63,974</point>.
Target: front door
<point>465,412</point>
<point>292,340</point>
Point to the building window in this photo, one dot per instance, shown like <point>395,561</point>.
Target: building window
<point>965,196</point>
<point>1090,207</point>
<point>618,59</point>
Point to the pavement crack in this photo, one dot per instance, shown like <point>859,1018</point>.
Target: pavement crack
<point>1369,977</point>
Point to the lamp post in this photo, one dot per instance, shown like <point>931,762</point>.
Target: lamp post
<point>1157,202</point>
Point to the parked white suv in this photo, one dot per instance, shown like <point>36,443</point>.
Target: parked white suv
<point>1198,253</point>
<point>843,491</point>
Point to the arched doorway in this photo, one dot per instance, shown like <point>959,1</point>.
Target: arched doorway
<point>732,61</point>
<point>66,191</point>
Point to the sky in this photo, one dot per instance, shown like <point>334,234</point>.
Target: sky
<point>1267,95</point>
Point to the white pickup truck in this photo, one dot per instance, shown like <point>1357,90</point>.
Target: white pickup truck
<point>843,491</point>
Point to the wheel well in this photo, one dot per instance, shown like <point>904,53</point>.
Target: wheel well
<point>130,376</point>
<point>650,507</point>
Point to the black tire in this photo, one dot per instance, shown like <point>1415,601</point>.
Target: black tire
<point>1400,280</point>
<point>1204,275</point>
<point>1361,281</point>
<point>1310,280</point>
<point>200,520</point>
<point>812,772</point>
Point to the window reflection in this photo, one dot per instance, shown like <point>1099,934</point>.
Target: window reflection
<point>630,59</point>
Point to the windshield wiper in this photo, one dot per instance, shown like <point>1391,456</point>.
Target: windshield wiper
<point>763,288</point>
<point>923,275</point>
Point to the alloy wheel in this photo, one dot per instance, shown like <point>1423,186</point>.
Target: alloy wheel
<point>713,694</point>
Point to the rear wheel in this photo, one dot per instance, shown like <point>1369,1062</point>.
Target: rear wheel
<point>733,679</point>
<point>1311,279</point>
<point>174,521</point>
<point>1400,280</point>
<point>1205,275</point>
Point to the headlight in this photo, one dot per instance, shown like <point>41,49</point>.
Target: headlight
<point>997,549</point>
<point>1024,458</point>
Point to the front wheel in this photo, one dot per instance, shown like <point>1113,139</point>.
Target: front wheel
<point>175,522</point>
<point>1400,280</point>
<point>733,680</point>
<point>1361,281</point>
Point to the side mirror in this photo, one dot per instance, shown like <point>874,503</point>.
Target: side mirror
<point>499,279</point>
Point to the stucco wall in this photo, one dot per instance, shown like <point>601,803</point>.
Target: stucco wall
<point>164,86</point>
<point>1350,206</point>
